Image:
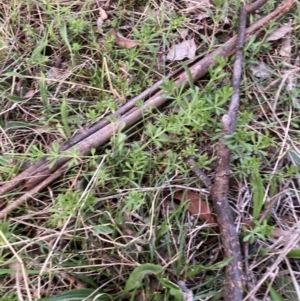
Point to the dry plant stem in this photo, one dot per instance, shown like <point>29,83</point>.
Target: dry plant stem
<point>38,172</point>
<point>233,289</point>
<point>21,264</point>
<point>273,201</point>
<point>28,195</point>
<point>198,172</point>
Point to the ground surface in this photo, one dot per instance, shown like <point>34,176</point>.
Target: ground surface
<point>119,224</point>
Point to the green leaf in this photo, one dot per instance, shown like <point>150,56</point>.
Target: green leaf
<point>135,279</point>
<point>12,271</point>
<point>64,34</point>
<point>173,288</point>
<point>102,229</point>
<point>258,193</point>
<point>15,98</point>
<point>295,254</point>
<point>17,125</point>
<point>275,296</point>
<point>4,161</point>
<point>39,47</point>
<point>64,117</point>
<point>16,74</point>
<point>188,72</point>
<point>198,268</point>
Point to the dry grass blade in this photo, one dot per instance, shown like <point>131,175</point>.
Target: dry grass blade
<point>281,256</point>
<point>21,274</point>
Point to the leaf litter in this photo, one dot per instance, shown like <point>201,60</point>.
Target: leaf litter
<point>122,41</point>
<point>196,206</point>
<point>280,33</point>
<point>260,70</point>
<point>102,17</point>
<point>186,49</point>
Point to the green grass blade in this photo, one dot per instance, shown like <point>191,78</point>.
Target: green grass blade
<point>258,193</point>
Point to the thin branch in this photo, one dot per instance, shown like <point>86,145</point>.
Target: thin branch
<point>233,290</point>
<point>250,8</point>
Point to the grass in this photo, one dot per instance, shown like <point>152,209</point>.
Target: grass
<point>111,229</point>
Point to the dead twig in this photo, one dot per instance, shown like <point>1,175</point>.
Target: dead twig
<point>101,133</point>
<point>250,8</point>
<point>233,289</point>
<point>198,172</point>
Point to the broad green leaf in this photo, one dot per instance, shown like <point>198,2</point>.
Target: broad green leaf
<point>12,271</point>
<point>137,275</point>
<point>258,193</point>
<point>4,161</point>
<point>173,288</point>
<point>39,48</point>
<point>295,254</point>
<point>102,229</point>
<point>44,92</point>
<point>15,98</point>
<point>13,73</point>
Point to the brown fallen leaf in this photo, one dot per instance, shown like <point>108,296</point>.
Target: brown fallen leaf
<point>186,49</point>
<point>73,281</point>
<point>102,17</point>
<point>284,237</point>
<point>56,74</point>
<point>196,5</point>
<point>196,206</point>
<point>286,47</point>
<point>122,41</point>
<point>260,71</point>
<point>30,93</point>
<point>280,33</point>
<point>200,16</point>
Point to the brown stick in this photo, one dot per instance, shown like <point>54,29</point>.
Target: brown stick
<point>38,172</point>
<point>28,195</point>
<point>233,290</point>
<point>255,6</point>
